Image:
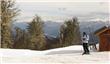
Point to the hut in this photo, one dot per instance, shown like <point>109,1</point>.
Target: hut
<point>104,38</point>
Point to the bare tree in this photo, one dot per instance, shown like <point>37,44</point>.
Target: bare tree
<point>8,14</point>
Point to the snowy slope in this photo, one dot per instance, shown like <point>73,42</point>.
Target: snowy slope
<point>71,54</point>
<point>26,52</point>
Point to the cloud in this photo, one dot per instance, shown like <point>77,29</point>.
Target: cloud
<point>59,11</point>
<point>62,0</point>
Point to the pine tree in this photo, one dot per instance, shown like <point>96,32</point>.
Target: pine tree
<point>8,14</point>
<point>35,29</point>
<point>21,38</point>
<point>69,33</point>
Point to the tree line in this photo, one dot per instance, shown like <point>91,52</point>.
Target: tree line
<point>33,36</point>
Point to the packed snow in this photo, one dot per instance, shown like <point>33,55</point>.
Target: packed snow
<point>65,55</point>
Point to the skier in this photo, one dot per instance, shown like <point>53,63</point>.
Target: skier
<point>85,40</point>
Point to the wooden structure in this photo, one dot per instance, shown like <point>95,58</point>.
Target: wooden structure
<point>104,38</point>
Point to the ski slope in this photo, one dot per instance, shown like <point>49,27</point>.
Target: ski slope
<point>65,55</point>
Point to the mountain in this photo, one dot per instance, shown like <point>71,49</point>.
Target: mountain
<point>51,29</point>
<point>22,25</point>
<point>90,26</point>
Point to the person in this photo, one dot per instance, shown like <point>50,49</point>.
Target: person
<point>85,40</point>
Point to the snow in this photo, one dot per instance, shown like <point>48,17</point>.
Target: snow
<point>65,55</point>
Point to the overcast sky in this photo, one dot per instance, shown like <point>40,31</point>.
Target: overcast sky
<point>60,11</point>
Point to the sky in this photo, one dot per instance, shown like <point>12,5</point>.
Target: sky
<point>60,11</point>
<point>62,0</point>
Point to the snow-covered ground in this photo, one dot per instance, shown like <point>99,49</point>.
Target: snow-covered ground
<point>71,54</point>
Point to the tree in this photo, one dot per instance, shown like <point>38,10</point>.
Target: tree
<point>36,35</point>
<point>21,38</point>
<point>69,33</point>
<point>8,14</point>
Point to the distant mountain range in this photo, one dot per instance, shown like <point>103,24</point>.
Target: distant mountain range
<point>52,28</point>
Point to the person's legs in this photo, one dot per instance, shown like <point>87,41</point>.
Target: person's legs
<point>84,48</point>
<point>87,50</point>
